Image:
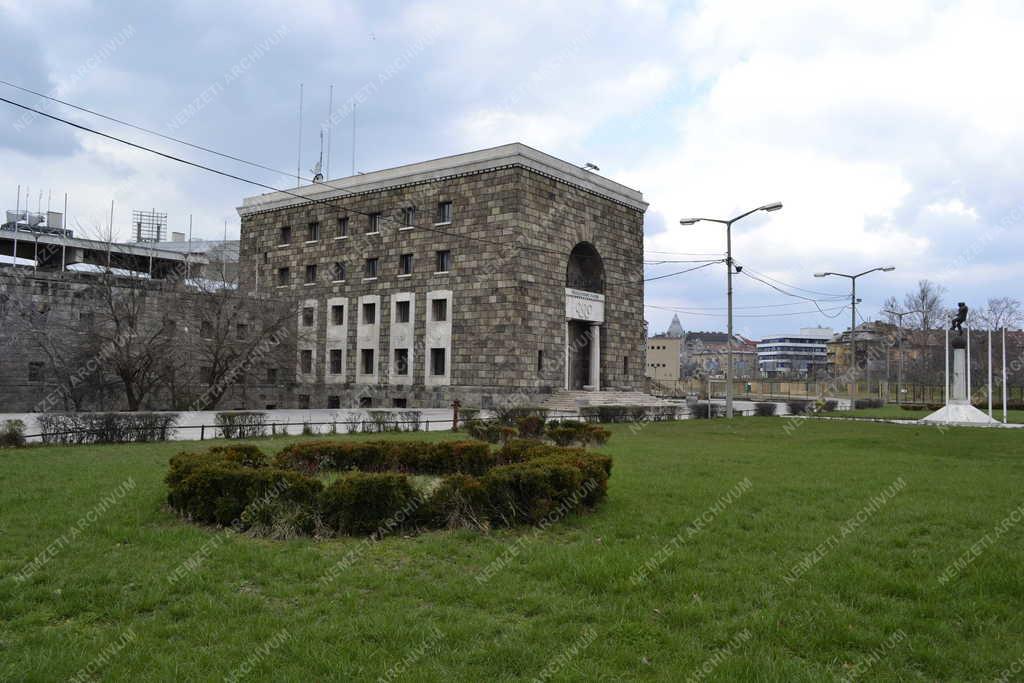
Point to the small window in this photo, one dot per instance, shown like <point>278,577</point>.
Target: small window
<point>401,361</point>
<point>399,403</point>
<point>401,311</point>
<point>338,271</point>
<point>266,257</point>
<point>444,212</point>
<point>307,316</point>
<point>241,331</point>
<point>206,374</point>
<point>303,401</point>
<point>409,216</point>
<point>437,358</point>
<point>311,273</point>
<point>338,314</point>
<point>343,226</point>
<point>366,360</point>
<point>625,365</point>
<point>336,362</point>
<point>444,261</point>
<point>405,264</point>
<point>284,276</point>
<point>206,329</point>
<point>286,235</point>
<point>313,231</point>
<point>35,371</point>
<point>439,310</point>
<point>306,360</point>
<point>365,401</point>
<point>369,314</point>
<point>540,360</point>
<point>271,375</point>
<point>373,223</point>
<point>333,402</point>
<point>371,267</point>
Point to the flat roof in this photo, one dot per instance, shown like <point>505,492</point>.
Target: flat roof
<point>514,154</point>
<point>132,248</point>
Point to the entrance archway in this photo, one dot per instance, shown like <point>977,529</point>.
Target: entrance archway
<point>584,313</point>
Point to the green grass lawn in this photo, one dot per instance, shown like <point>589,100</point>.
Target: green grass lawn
<point>790,573</point>
<point>894,412</point>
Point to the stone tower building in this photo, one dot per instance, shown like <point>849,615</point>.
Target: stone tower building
<point>482,276</point>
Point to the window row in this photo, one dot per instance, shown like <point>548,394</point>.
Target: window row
<point>438,362</point>
<point>338,271</point>
<point>371,226</point>
<point>368,314</point>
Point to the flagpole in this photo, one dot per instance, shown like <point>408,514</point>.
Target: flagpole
<point>990,372</point>
<point>1004,376</point>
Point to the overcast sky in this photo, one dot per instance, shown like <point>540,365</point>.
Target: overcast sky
<point>890,130</point>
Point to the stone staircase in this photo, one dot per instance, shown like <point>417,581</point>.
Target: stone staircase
<point>570,401</point>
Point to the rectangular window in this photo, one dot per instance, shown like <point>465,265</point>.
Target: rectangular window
<point>338,271</point>
<point>409,216</point>
<point>437,358</point>
<point>401,311</point>
<point>444,212</point>
<point>286,235</point>
<point>401,361</point>
<point>335,361</point>
<point>306,361</point>
<point>313,231</point>
<point>399,403</point>
<point>304,401</point>
<point>206,329</point>
<point>266,257</point>
<point>343,226</point>
<point>338,314</point>
<point>311,273</point>
<point>307,316</point>
<point>439,310</point>
<point>405,264</point>
<point>369,314</point>
<point>333,402</point>
<point>241,331</point>
<point>444,261</point>
<point>371,267</point>
<point>35,371</point>
<point>540,360</point>
<point>373,224</point>
<point>365,401</point>
<point>366,359</point>
<point>271,375</point>
<point>284,276</point>
<point>206,374</point>
<point>625,365</point>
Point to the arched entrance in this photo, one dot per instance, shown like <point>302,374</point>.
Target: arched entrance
<point>584,314</point>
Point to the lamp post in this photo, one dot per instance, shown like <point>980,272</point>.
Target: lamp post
<point>899,370</point>
<point>853,318</point>
<point>728,289</point>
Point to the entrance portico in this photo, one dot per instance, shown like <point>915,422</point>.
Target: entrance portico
<point>584,315</point>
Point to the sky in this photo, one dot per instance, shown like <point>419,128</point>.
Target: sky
<point>891,131</point>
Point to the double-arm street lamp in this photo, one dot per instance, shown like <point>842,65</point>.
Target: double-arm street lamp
<point>729,270</point>
<point>899,369</point>
<point>853,319</point>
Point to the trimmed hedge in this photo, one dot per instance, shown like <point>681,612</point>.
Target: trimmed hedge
<point>569,432</point>
<point>861,403</point>
<point>525,481</point>
<point>765,409</point>
<point>705,411</point>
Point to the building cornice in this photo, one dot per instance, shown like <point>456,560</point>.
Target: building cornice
<point>515,155</point>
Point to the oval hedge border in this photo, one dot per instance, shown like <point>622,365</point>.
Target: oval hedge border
<point>524,482</point>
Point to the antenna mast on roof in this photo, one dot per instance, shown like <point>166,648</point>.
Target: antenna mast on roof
<point>330,113</point>
<point>298,165</point>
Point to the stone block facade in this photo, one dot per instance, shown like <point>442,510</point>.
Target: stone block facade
<point>489,235</point>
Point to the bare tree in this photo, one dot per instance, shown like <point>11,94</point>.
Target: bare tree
<point>1000,312</point>
<point>927,299</point>
<point>890,304</point>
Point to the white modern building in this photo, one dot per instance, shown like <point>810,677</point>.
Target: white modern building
<point>801,354</point>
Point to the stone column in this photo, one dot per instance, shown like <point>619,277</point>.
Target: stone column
<point>595,357</point>
<point>567,355</point>
<point>959,391</point>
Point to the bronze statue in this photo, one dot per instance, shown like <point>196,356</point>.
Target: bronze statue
<point>960,318</point>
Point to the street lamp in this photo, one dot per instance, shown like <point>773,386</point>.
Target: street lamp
<point>899,371</point>
<point>728,270</point>
<point>853,317</point>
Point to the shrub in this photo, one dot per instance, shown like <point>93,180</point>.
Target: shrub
<point>508,414</point>
<point>363,503</point>
<point>382,421</point>
<point>13,434</point>
<point>460,501</point>
<point>244,454</point>
<point>705,411</point>
<point>235,425</point>
<point>467,414</point>
<point>529,491</point>
<point>530,426</point>
<point>828,405</point>
<point>569,432</point>
<point>912,406</point>
<point>798,407</point>
<point>484,430</point>
<point>81,428</point>
<point>415,457</point>
<point>862,403</point>
<point>765,409</point>
<point>409,420</point>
